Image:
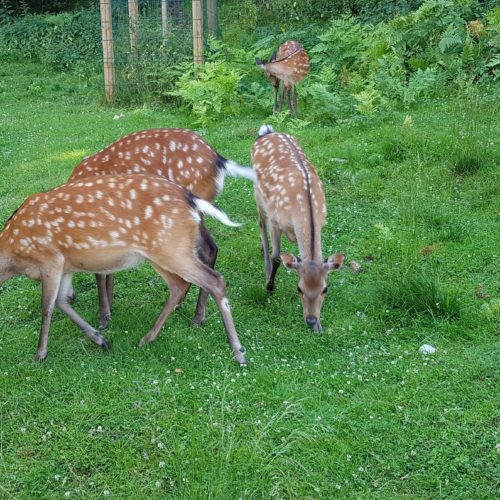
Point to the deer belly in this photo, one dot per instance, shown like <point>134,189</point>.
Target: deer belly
<point>104,262</point>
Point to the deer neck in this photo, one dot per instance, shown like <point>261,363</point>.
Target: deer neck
<point>309,241</point>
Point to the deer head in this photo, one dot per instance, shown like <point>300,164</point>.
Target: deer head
<point>313,286</point>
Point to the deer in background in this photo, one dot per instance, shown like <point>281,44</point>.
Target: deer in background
<point>106,224</point>
<point>290,200</point>
<point>290,65</point>
<point>179,155</point>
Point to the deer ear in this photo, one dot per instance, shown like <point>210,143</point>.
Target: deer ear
<point>290,261</point>
<point>334,262</point>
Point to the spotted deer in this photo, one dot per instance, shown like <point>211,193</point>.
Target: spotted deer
<point>290,200</point>
<point>289,65</point>
<point>179,155</point>
<point>105,224</point>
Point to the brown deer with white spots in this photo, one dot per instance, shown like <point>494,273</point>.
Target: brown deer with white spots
<point>179,155</point>
<point>106,224</point>
<point>289,65</point>
<point>290,200</point>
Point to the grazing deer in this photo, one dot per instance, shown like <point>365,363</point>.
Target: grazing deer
<point>106,224</point>
<point>290,200</point>
<point>179,155</point>
<point>289,65</point>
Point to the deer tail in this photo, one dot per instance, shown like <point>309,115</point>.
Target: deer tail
<point>207,208</point>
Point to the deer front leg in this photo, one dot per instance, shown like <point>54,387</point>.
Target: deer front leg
<point>104,306</point>
<point>275,260</point>
<point>110,284</point>
<point>50,288</point>
<point>63,304</point>
<point>208,255</point>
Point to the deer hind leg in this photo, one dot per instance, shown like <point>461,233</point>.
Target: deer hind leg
<point>63,304</point>
<point>264,242</point>
<point>276,88</point>
<point>275,260</point>
<point>284,89</point>
<point>214,283</point>
<point>288,98</point>
<point>294,101</point>
<point>178,288</point>
<point>51,281</point>
<point>208,255</point>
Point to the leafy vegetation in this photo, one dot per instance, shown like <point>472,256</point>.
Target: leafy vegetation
<point>360,70</point>
<point>354,412</point>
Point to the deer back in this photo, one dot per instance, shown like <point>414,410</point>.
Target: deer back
<point>180,155</point>
<point>289,190</point>
<point>103,224</point>
<point>291,64</point>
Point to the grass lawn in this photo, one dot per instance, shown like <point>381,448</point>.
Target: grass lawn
<point>354,412</point>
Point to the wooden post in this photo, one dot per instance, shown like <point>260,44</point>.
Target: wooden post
<point>212,17</point>
<point>164,19</point>
<point>197,32</point>
<point>108,56</point>
<point>133,14</point>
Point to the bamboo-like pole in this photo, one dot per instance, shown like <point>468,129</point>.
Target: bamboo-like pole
<point>197,32</point>
<point>164,19</point>
<point>108,56</point>
<point>212,17</point>
<point>133,14</point>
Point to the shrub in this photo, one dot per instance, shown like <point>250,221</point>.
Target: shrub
<point>63,41</point>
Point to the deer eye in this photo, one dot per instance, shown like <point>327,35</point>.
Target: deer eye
<point>299,290</point>
<point>325,290</point>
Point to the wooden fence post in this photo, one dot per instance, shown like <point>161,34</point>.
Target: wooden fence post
<point>108,56</point>
<point>197,32</point>
<point>212,17</point>
<point>133,13</point>
<point>164,19</point>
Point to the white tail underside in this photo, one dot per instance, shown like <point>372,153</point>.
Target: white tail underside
<point>209,209</point>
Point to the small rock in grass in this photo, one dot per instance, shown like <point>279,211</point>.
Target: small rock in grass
<point>427,349</point>
<point>355,267</point>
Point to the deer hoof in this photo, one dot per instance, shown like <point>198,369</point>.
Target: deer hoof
<point>105,344</point>
<point>198,320</point>
<point>40,356</point>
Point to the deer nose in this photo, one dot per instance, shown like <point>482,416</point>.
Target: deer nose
<point>311,321</point>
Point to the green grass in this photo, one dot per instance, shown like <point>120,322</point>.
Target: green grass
<point>354,412</point>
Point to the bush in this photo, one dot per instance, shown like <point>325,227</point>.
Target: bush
<point>209,91</point>
<point>63,41</point>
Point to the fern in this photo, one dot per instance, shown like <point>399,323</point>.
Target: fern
<point>368,101</point>
<point>211,94</point>
<point>450,39</point>
<point>419,85</point>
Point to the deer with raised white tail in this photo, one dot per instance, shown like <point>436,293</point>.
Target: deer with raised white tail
<point>105,224</point>
<point>290,199</point>
<point>179,155</point>
<point>289,65</point>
